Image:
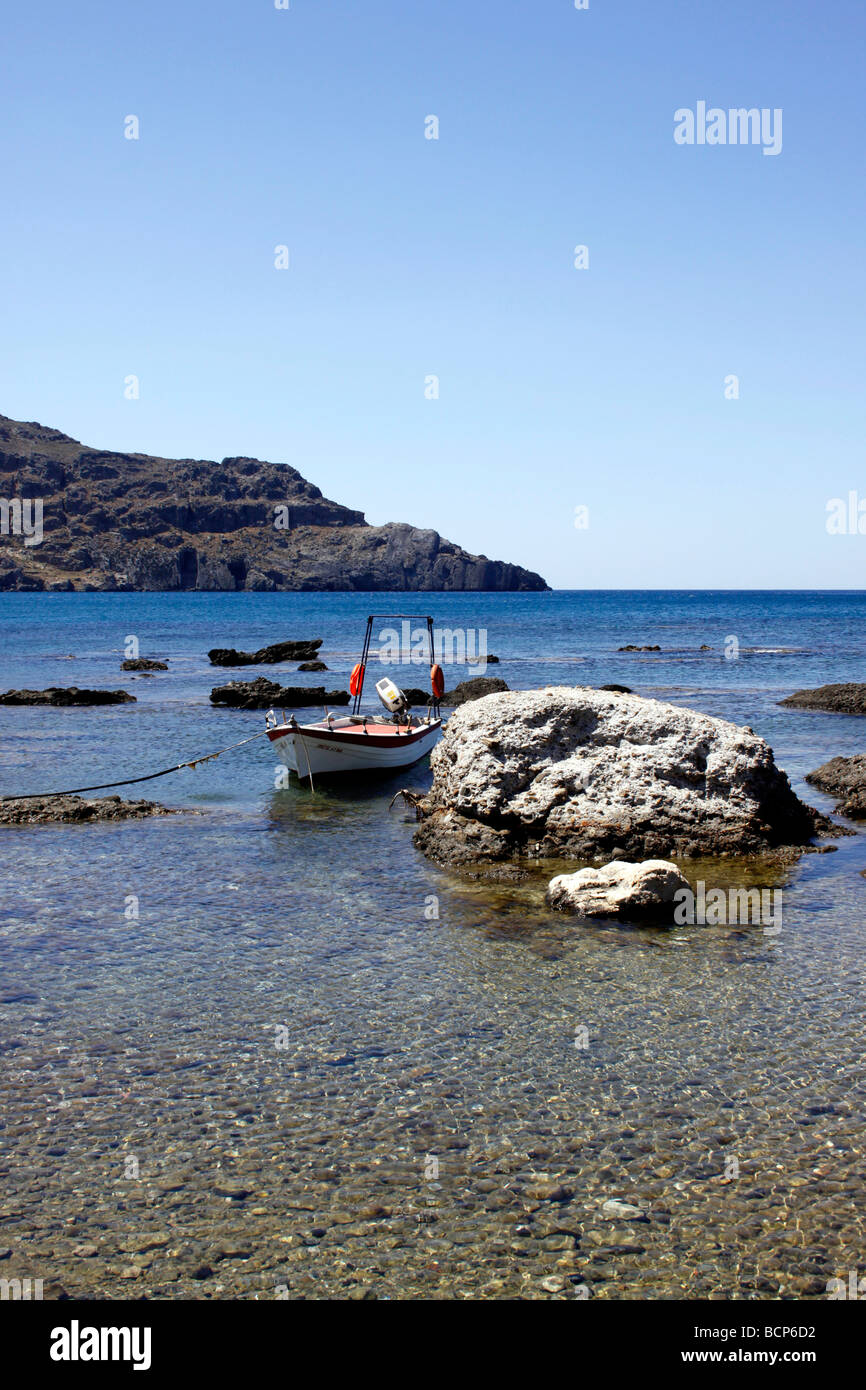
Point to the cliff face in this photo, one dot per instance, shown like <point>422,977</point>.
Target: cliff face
<point>132,521</point>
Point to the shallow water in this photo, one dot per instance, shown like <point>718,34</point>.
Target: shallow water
<point>316,1064</point>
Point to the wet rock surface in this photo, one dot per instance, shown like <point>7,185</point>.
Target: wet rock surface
<point>845,779</point>
<point>312,666</point>
<point>576,773</point>
<point>265,656</point>
<point>262,693</point>
<point>143,663</point>
<point>848,697</point>
<point>631,891</point>
<point>69,695</point>
<point>56,810</point>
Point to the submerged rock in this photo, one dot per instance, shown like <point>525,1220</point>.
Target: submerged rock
<point>71,695</point>
<point>588,774</point>
<point>262,693</point>
<point>143,663</point>
<point>473,689</point>
<point>312,666</point>
<point>56,810</point>
<point>844,778</point>
<point>619,889</point>
<point>265,656</point>
<point>847,698</point>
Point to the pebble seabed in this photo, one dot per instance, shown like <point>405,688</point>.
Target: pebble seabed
<point>314,1065</point>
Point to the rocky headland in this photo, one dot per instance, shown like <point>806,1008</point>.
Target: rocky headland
<point>120,521</point>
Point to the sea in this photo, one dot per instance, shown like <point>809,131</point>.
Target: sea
<point>265,1049</point>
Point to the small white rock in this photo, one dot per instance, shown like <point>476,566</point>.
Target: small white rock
<point>625,1211</point>
<point>618,889</point>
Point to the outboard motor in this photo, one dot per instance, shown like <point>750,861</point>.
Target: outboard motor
<point>392,697</point>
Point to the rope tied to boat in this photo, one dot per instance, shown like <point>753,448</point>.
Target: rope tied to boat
<point>148,777</point>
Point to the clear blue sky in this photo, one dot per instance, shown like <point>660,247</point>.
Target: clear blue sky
<point>409,257</point>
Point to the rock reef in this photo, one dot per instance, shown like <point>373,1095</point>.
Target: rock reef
<point>265,656</point>
<point>845,779</point>
<point>262,694</point>
<point>585,774</point>
<point>847,698</point>
<point>473,689</point>
<point>68,695</point>
<point>64,810</point>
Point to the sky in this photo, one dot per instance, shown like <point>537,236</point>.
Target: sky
<point>606,387</point>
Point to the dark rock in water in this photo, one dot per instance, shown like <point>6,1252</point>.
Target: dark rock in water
<point>262,694</point>
<point>312,666</point>
<point>65,810</point>
<point>490,659</point>
<point>704,647</point>
<point>588,775</point>
<point>71,695</point>
<point>847,698</point>
<point>474,689</point>
<point>416,696</point>
<point>121,522</point>
<point>631,648</point>
<point>617,689</point>
<point>845,779</point>
<point>265,656</point>
<point>143,663</point>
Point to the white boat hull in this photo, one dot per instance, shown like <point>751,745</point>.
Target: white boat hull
<point>316,748</point>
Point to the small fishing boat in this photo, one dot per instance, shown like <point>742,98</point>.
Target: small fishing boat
<point>360,742</point>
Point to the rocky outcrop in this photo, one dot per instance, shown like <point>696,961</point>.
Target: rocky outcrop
<point>131,521</point>
<point>847,698</point>
<point>845,779</point>
<point>71,695</point>
<point>586,774</point>
<point>57,810</point>
<point>619,889</point>
<point>473,689</point>
<point>143,663</point>
<point>312,666</point>
<point>632,648</point>
<point>262,694</point>
<point>265,656</point>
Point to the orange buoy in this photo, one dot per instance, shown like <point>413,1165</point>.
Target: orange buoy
<point>356,680</point>
<point>437,681</point>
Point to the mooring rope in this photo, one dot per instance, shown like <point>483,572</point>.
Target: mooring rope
<point>129,781</point>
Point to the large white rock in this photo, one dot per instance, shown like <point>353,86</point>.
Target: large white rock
<point>591,775</point>
<point>619,889</point>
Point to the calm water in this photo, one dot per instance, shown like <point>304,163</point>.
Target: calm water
<point>288,1074</point>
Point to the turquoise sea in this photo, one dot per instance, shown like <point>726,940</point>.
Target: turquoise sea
<point>269,1049</point>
